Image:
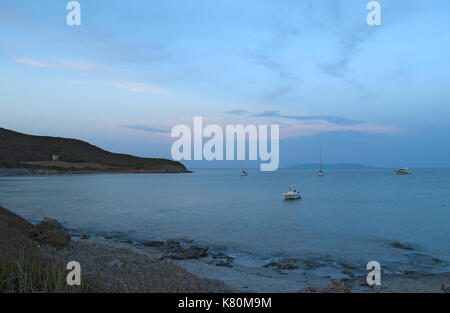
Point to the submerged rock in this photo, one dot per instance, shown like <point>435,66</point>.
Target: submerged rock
<point>399,245</point>
<point>221,259</point>
<point>224,262</point>
<point>283,264</point>
<point>153,244</point>
<point>174,250</point>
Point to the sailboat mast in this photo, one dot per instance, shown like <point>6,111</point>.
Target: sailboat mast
<point>320,159</point>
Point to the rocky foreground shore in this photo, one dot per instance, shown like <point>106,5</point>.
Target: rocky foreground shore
<point>33,259</point>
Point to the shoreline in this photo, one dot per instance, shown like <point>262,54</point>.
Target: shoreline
<point>32,255</point>
<point>246,275</point>
<point>128,267</point>
<point>42,171</point>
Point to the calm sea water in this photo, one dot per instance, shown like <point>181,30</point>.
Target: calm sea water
<point>349,215</point>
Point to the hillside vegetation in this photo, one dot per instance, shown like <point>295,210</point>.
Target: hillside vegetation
<point>19,148</point>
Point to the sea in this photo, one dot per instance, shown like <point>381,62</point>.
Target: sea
<point>345,219</point>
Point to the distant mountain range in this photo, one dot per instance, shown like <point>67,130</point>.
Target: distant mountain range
<point>331,166</point>
<point>55,154</point>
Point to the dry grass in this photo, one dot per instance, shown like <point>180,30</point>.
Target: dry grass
<point>31,273</point>
<point>33,260</point>
<point>24,267</point>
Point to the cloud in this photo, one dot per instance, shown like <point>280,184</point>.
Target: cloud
<point>80,66</point>
<point>323,118</point>
<point>30,62</point>
<point>68,65</point>
<point>139,87</point>
<point>267,114</point>
<point>351,41</point>
<point>145,128</point>
<point>238,112</point>
<point>311,118</point>
<point>306,129</point>
<point>91,68</point>
<point>276,94</point>
<point>269,63</point>
<point>72,65</point>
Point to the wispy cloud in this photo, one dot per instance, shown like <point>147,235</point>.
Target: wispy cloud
<point>276,94</point>
<point>320,118</point>
<point>91,69</point>
<point>311,118</point>
<point>30,62</point>
<point>351,41</point>
<point>81,66</point>
<point>267,114</point>
<point>73,65</point>
<point>145,128</point>
<point>139,87</point>
<point>238,112</point>
<point>294,129</point>
<point>269,62</point>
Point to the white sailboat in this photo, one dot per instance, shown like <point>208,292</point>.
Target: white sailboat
<point>320,172</point>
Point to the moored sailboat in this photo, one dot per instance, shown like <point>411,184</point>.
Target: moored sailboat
<point>243,172</point>
<point>320,172</point>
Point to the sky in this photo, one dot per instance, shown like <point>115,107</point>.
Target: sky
<point>377,95</point>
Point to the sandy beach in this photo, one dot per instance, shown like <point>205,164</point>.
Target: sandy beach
<point>126,267</point>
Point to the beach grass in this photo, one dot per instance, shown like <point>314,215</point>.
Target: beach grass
<point>33,259</point>
<point>24,266</point>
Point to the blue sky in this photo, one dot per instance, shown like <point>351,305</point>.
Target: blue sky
<point>134,69</point>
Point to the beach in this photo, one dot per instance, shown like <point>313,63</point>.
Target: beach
<point>126,267</point>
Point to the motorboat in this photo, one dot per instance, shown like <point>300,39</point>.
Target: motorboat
<point>403,171</point>
<point>292,194</point>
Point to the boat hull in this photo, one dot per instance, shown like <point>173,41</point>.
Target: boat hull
<point>292,197</point>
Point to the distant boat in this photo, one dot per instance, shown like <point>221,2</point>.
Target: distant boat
<point>403,171</point>
<point>320,172</point>
<point>243,172</point>
<point>292,194</point>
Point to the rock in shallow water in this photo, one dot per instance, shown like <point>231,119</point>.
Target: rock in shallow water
<point>153,244</point>
<point>221,259</point>
<point>174,250</point>
<point>399,245</point>
<point>283,264</point>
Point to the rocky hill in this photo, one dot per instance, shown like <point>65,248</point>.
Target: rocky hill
<point>37,152</point>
